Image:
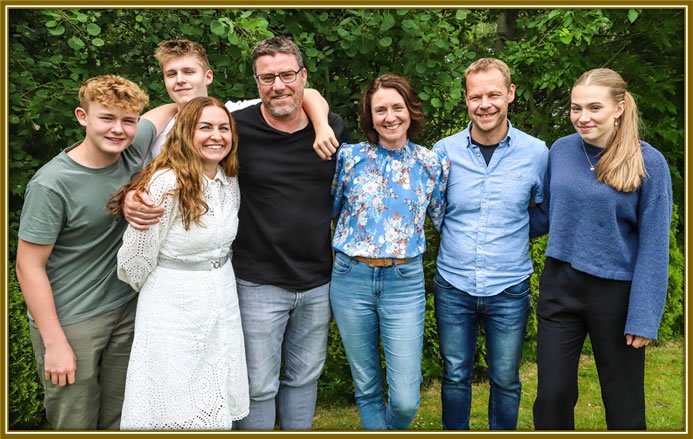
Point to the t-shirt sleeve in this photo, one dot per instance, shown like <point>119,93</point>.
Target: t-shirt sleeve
<point>239,105</point>
<point>43,215</point>
<point>339,128</point>
<point>146,135</point>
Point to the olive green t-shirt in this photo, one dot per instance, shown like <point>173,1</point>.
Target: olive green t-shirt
<point>65,205</point>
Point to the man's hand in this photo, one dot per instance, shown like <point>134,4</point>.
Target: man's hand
<point>325,142</point>
<point>636,341</point>
<point>140,214</point>
<point>60,363</point>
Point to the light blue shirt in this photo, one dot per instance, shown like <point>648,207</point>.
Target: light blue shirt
<point>484,246</point>
<point>382,196</point>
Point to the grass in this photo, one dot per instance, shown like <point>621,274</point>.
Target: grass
<point>664,398</point>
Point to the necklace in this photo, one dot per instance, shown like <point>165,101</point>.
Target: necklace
<point>587,157</point>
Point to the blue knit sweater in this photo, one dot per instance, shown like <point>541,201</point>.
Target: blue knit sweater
<point>606,233</point>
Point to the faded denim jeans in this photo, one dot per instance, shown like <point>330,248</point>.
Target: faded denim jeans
<point>504,317</point>
<point>285,335</point>
<point>381,303</point>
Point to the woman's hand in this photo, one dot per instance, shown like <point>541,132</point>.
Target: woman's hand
<point>636,341</point>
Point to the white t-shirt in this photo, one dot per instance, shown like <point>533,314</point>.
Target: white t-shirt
<point>161,138</point>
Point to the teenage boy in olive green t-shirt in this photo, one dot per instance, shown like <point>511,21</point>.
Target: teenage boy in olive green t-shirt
<point>81,315</point>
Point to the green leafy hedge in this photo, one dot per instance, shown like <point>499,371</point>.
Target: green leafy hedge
<point>52,51</point>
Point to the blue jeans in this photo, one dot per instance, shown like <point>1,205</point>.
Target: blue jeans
<point>289,328</point>
<point>390,302</point>
<point>504,317</point>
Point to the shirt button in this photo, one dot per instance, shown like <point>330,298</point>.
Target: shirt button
<point>478,269</point>
<point>478,247</point>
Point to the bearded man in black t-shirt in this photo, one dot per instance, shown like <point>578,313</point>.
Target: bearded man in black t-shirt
<point>282,255</point>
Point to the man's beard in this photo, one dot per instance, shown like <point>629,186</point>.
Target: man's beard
<point>283,112</point>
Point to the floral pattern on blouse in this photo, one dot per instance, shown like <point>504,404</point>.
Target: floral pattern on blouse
<point>382,197</point>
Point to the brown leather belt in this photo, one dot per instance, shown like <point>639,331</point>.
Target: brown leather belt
<point>382,262</point>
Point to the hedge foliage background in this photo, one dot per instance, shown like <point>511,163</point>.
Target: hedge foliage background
<point>51,52</point>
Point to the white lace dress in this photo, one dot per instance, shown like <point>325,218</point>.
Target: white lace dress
<point>187,367</point>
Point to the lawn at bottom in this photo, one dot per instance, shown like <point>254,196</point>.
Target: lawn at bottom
<point>664,398</point>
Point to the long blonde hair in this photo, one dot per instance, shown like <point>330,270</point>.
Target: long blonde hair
<point>179,154</point>
<point>621,165</point>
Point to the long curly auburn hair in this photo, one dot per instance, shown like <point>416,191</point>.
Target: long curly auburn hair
<point>179,154</point>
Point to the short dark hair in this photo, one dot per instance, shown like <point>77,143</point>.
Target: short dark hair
<point>275,45</point>
<point>411,100</point>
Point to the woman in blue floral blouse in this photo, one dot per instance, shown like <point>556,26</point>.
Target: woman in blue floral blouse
<point>382,190</point>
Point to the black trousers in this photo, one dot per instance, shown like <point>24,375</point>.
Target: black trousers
<point>571,305</point>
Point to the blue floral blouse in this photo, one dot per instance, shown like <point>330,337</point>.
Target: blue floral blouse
<point>382,195</point>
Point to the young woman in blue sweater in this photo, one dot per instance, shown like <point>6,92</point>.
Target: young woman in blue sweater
<point>607,209</point>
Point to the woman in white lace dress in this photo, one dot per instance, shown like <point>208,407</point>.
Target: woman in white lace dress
<point>187,367</point>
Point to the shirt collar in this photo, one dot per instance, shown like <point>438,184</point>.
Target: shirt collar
<point>399,152</point>
<point>219,176</point>
<point>508,137</point>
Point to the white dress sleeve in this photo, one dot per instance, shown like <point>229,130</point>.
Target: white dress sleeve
<point>139,252</point>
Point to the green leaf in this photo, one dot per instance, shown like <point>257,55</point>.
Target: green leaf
<point>553,13</point>
<point>435,102</point>
<point>75,43</point>
<point>566,39</point>
<point>93,29</point>
<point>385,42</point>
<point>402,11</point>
<point>217,28</point>
<point>409,24</point>
<point>14,119</point>
<point>311,52</point>
<point>632,15</point>
<point>461,14</point>
<point>246,14</point>
<point>51,23</point>
<point>139,19</point>
<point>388,22</point>
<point>59,30</point>
<point>98,42</point>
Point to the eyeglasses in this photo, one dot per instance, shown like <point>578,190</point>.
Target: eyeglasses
<point>268,78</point>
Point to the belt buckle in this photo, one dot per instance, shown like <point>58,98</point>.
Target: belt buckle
<point>216,264</point>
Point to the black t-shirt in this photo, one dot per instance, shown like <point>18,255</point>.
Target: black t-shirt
<point>286,208</point>
<point>486,150</point>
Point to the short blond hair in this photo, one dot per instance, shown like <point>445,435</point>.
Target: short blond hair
<point>169,49</point>
<point>486,64</point>
<point>113,91</point>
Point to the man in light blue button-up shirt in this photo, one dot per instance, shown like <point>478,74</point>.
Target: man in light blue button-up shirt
<point>484,263</point>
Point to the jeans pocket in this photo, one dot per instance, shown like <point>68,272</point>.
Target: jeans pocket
<point>441,282</point>
<point>246,283</point>
<point>409,269</point>
<point>518,291</point>
<point>342,264</point>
